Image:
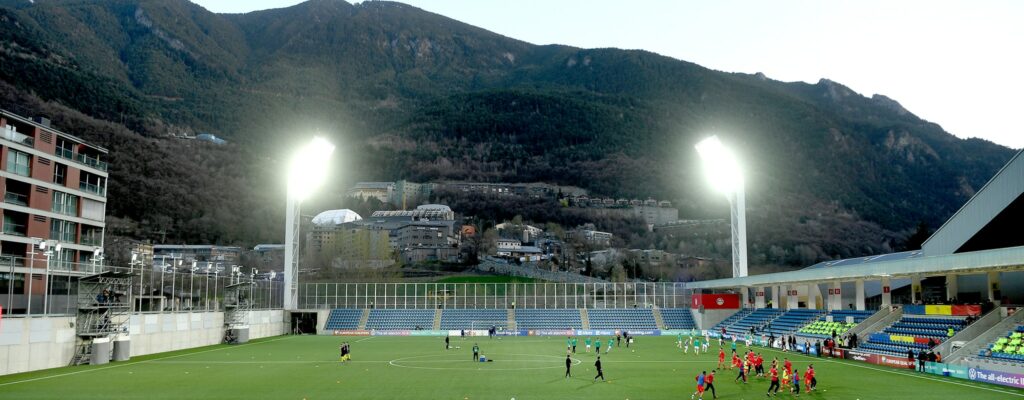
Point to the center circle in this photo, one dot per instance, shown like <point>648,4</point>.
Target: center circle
<point>502,362</point>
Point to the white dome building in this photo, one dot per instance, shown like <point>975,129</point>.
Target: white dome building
<point>335,217</point>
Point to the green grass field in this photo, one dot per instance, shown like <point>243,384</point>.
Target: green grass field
<point>306,367</point>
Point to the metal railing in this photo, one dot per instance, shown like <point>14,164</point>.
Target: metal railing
<point>16,137</point>
<point>53,288</point>
<point>91,161</point>
<point>15,229</point>
<point>16,198</point>
<point>493,295</point>
<point>65,153</point>
<point>91,188</point>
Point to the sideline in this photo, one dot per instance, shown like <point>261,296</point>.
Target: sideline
<point>141,362</point>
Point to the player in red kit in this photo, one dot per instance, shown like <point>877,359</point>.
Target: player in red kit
<point>774,373</point>
<point>807,379</point>
<point>709,383</point>
<point>721,357</point>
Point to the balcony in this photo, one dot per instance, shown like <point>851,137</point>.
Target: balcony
<point>92,239</point>
<point>91,188</point>
<point>65,153</point>
<point>91,161</point>
<point>13,229</point>
<point>16,199</point>
<point>16,137</point>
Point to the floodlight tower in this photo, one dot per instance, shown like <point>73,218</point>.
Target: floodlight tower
<point>723,172</point>
<point>307,172</point>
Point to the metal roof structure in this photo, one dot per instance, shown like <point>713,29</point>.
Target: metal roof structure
<point>1008,259</point>
<point>1004,190</point>
<point>981,237</point>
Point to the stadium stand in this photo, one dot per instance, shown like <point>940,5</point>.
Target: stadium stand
<point>452,319</point>
<point>1009,348</point>
<point>621,318</point>
<point>911,332</point>
<point>400,319</point>
<point>732,319</point>
<point>677,318</point>
<point>821,328</point>
<point>760,317</point>
<point>537,318</point>
<point>791,320</point>
<point>343,318</point>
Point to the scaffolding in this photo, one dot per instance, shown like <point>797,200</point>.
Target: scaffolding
<point>237,305</point>
<point>103,311</point>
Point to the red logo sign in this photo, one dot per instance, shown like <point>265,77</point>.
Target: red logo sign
<point>838,290</point>
<point>885,289</point>
<point>831,292</point>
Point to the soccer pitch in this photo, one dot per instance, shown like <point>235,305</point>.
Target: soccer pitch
<point>307,367</point>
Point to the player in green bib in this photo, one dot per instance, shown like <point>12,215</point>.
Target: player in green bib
<point>587,342</point>
<point>597,345</point>
<point>679,340</point>
<point>574,345</point>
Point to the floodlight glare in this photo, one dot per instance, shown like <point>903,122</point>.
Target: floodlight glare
<point>725,176</point>
<point>720,166</point>
<point>309,168</point>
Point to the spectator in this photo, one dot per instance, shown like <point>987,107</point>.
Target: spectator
<point>910,357</point>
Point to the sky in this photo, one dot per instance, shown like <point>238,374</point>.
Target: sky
<point>959,64</point>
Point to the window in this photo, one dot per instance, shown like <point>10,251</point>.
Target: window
<point>65,149</point>
<point>92,209</point>
<point>92,183</point>
<point>60,173</point>
<point>65,203</point>
<point>19,163</point>
<point>64,231</point>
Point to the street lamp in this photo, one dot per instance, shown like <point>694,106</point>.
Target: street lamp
<point>307,172</point>
<point>49,247</point>
<point>725,176</point>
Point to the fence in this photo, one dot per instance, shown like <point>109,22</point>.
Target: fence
<point>492,295</point>
<point>34,286</point>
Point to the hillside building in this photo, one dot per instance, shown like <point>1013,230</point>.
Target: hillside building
<point>55,191</point>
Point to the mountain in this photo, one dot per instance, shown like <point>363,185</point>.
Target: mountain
<point>411,94</point>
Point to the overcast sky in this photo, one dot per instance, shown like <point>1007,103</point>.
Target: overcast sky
<point>956,63</point>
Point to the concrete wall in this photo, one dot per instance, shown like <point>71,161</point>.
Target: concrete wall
<point>34,343</point>
<point>711,318</point>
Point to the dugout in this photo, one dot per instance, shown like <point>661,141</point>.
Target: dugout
<point>303,323</point>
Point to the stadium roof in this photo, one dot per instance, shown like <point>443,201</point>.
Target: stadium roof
<point>989,220</point>
<point>1008,259</point>
<point>983,236</point>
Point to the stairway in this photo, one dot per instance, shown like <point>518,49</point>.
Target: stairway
<point>584,318</point>
<point>437,319</point>
<point>657,318</point>
<point>982,340</point>
<point>83,353</point>
<point>364,318</point>
<point>511,323</point>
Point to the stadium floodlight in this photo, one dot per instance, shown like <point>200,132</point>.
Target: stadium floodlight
<point>720,166</point>
<point>723,172</point>
<point>307,173</point>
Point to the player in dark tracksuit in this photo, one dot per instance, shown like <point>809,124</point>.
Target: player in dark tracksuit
<point>568,365</point>
<point>600,373</point>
